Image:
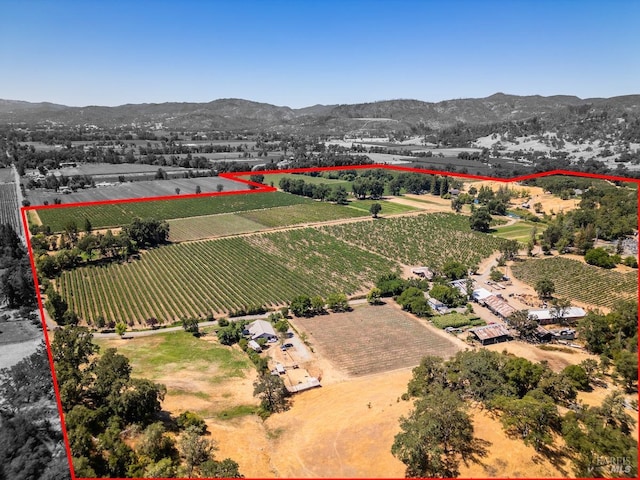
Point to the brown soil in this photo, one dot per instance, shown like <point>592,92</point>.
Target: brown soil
<point>557,360</point>
<point>550,203</point>
<point>510,457</point>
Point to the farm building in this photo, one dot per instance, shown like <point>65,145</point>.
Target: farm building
<point>423,272</point>
<point>311,383</point>
<point>490,334</point>
<point>496,304</point>
<point>437,305</point>
<point>461,285</point>
<point>262,329</point>
<point>545,316</point>
<point>543,335</point>
<point>254,346</point>
<point>480,294</point>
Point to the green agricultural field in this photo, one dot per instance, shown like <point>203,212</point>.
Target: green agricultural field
<point>456,320</point>
<point>221,275</point>
<point>578,281</point>
<point>520,231</point>
<point>209,226</point>
<point>429,239</point>
<point>302,213</point>
<point>114,215</point>
<point>388,208</point>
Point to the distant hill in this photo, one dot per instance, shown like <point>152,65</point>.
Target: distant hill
<point>238,114</point>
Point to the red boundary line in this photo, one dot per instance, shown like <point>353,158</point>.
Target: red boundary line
<point>261,188</point>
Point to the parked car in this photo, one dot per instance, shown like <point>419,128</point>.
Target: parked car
<point>288,345</point>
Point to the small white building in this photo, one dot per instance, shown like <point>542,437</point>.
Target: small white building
<point>254,346</point>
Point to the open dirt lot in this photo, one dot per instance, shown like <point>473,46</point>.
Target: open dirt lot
<point>550,203</point>
<point>375,339</point>
<point>346,429</point>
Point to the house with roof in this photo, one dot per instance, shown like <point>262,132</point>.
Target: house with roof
<point>262,329</point>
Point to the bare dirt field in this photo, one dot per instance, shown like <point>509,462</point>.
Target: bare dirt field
<point>374,339</point>
<point>510,457</point>
<point>550,203</point>
<point>346,429</point>
<point>558,360</point>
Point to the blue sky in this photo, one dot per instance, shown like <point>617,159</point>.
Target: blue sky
<point>300,53</point>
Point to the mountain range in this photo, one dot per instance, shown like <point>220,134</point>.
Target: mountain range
<point>387,115</point>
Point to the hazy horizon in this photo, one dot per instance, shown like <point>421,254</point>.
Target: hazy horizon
<point>300,54</point>
<point>315,104</point>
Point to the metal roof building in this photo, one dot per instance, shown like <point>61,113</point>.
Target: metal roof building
<point>490,334</point>
<point>545,316</point>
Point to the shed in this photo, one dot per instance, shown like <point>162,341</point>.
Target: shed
<point>424,272</point>
<point>437,305</point>
<point>461,285</point>
<point>543,335</point>
<point>490,334</point>
<point>480,294</point>
<point>311,383</point>
<point>498,306</point>
<point>254,346</point>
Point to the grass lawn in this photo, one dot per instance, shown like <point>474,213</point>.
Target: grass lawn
<point>520,231</point>
<point>157,355</point>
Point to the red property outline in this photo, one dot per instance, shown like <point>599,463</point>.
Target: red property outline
<point>261,188</point>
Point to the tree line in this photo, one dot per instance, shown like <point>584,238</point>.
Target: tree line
<point>102,402</point>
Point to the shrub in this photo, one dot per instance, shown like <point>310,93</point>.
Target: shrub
<point>599,257</point>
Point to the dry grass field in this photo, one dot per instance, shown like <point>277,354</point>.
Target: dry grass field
<point>18,339</point>
<point>374,339</point>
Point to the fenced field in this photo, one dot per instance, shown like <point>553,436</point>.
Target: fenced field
<point>193,279</point>
<point>374,339</point>
<point>578,281</point>
<point>429,239</point>
<point>114,215</point>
